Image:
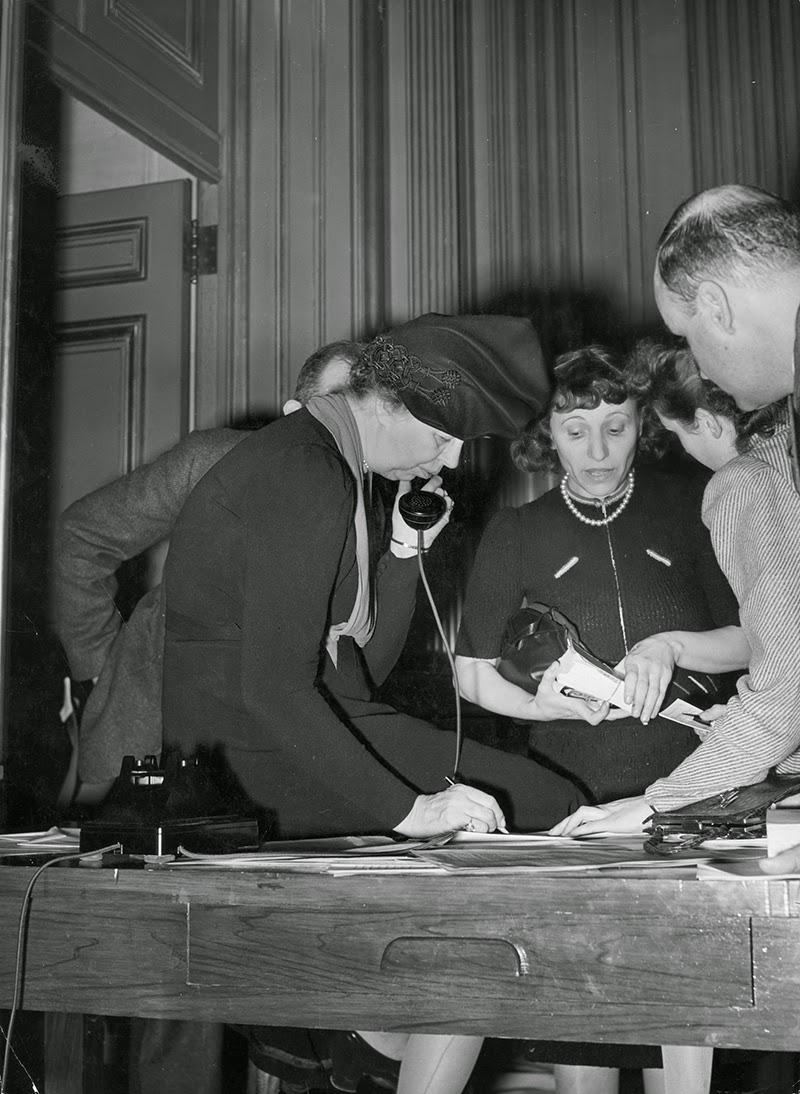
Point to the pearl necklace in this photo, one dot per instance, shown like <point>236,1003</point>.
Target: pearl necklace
<point>623,498</point>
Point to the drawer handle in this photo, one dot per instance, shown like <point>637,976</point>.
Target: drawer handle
<point>488,958</point>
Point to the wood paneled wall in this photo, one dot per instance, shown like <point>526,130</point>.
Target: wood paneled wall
<point>417,155</point>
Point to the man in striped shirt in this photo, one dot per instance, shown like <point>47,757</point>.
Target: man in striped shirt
<point>728,279</point>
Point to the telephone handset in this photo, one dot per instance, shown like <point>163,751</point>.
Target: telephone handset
<point>421,509</point>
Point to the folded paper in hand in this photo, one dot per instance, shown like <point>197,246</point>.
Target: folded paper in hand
<point>587,677</point>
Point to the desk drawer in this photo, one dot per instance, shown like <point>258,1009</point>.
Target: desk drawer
<point>607,959</point>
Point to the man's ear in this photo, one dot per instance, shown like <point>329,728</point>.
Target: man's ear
<point>708,421</point>
<point>714,303</point>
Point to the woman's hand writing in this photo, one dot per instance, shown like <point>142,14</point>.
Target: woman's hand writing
<point>458,807</point>
<point>626,815</point>
<point>648,669</point>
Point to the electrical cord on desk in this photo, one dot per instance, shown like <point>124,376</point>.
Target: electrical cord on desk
<point>21,932</point>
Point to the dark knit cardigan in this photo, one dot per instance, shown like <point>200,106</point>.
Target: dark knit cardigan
<point>653,567</point>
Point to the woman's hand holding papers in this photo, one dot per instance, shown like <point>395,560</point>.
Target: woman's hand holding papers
<point>549,705</point>
<point>626,815</point>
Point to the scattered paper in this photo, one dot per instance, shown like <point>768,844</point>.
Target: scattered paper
<point>744,870</point>
<point>561,855</point>
<point>335,855</point>
<point>53,841</point>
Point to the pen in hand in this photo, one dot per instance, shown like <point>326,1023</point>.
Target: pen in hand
<point>452,782</point>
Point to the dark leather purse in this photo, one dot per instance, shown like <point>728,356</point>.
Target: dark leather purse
<point>738,813</point>
<point>535,637</point>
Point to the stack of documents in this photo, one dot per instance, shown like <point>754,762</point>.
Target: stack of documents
<point>335,855</point>
<point>449,853</point>
<point>457,853</point>
<point>544,854</point>
<point>55,841</point>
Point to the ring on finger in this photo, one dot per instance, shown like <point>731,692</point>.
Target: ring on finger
<point>470,825</point>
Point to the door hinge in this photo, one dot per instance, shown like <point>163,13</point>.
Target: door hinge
<point>201,250</point>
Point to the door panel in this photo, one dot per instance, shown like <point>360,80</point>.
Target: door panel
<point>122,336</point>
<point>150,66</point>
<point>99,374</point>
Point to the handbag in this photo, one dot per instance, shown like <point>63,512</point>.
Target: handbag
<point>738,813</point>
<point>535,637</point>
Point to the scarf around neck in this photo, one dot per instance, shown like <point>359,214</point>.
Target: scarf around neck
<point>333,411</point>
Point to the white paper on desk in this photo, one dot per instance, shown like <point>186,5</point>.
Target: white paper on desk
<point>591,679</point>
<point>743,870</point>
<point>29,843</point>
<point>338,855</point>
<point>337,865</point>
<point>738,848</point>
<point>328,845</point>
<point>501,839</point>
<point>561,856</point>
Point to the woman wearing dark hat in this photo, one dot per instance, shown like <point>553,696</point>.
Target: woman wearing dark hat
<point>275,633</point>
<point>274,636</point>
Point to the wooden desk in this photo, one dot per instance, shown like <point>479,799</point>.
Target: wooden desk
<point>599,959</point>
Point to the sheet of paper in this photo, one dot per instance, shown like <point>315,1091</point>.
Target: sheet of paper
<point>558,856</point>
<point>744,870</point>
<point>53,841</point>
<point>500,839</point>
<point>337,855</point>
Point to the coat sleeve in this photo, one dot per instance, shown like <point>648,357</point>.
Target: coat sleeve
<point>760,729</point>
<point>722,603</point>
<point>99,532</point>
<point>396,588</point>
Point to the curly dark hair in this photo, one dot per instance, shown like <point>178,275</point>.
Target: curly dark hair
<point>583,378</point>
<point>665,379</point>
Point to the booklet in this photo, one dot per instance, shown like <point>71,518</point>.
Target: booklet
<point>588,677</point>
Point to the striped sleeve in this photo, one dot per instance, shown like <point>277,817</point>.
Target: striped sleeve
<point>753,513</point>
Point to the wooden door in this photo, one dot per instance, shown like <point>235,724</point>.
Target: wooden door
<point>122,333</point>
<point>100,390</point>
<point>152,66</point>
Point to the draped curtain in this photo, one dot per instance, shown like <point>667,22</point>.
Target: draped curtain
<point>510,155</point>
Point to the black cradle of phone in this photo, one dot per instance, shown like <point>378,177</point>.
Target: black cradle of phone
<point>153,810</point>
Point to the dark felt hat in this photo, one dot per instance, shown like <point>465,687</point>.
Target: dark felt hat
<point>468,375</point>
